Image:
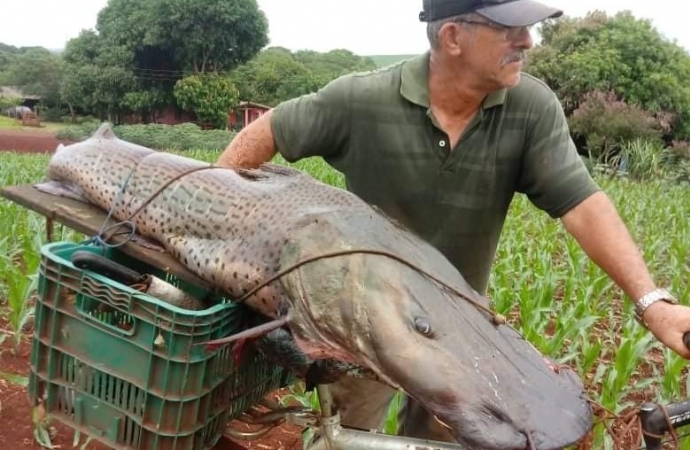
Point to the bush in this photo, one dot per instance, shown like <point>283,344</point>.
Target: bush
<point>680,150</point>
<point>643,160</point>
<point>606,123</point>
<point>187,136</point>
<point>53,114</point>
<point>680,172</point>
<point>78,132</point>
<point>79,119</point>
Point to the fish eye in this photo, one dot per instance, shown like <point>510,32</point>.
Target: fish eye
<point>423,326</point>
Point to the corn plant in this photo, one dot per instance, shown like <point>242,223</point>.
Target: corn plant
<point>549,289</point>
<point>23,234</point>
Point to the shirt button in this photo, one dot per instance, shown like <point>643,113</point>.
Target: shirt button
<point>442,143</point>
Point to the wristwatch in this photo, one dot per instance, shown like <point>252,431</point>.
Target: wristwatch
<point>649,299</point>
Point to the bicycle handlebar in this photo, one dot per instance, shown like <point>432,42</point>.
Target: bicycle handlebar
<point>656,420</point>
<point>655,423</point>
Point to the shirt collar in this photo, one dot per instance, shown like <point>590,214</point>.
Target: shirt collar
<point>413,86</point>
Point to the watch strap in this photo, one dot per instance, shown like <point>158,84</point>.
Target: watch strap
<point>649,299</point>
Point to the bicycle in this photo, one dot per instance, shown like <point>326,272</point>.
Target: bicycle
<point>656,421</point>
<point>330,434</point>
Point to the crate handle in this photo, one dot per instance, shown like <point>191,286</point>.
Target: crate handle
<point>111,319</point>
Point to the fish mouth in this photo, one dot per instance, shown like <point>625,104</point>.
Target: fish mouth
<point>477,426</point>
<point>486,431</point>
<point>499,403</point>
<point>486,428</point>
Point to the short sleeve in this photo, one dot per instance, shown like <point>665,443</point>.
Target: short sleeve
<point>316,124</point>
<point>553,176</point>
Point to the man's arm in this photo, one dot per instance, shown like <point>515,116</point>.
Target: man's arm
<point>316,124</point>
<point>601,233</point>
<point>251,147</point>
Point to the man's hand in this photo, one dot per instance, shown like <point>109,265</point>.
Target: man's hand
<point>669,323</point>
<point>598,228</point>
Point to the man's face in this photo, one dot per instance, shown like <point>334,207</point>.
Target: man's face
<point>495,53</point>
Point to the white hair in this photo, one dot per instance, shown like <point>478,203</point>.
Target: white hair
<point>434,28</point>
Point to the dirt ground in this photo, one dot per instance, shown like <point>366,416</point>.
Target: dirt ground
<point>38,141</point>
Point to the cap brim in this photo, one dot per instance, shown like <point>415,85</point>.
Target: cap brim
<point>519,13</point>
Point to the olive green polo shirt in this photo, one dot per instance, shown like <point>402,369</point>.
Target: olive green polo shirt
<point>378,130</point>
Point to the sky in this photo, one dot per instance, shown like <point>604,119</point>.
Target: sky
<point>366,27</point>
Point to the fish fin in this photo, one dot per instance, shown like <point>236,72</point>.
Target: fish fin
<point>105,131</point>
<point>61,190</point>
<point>249,333</point>
<point>267,171</point>
<point>280,170</point>
<point>252,174</point>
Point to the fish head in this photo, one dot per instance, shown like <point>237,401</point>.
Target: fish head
<point>434,339</point>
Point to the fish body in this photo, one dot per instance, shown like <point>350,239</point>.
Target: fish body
<point>365,300</point>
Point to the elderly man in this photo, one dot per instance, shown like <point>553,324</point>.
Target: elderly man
<point>442,142</point>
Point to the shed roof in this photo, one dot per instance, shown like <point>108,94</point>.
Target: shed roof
<point>254,105</point>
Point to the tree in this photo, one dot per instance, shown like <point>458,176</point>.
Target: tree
<point>327,66</point>
<point>211,97</point>
<point>277,74</point>
<point>37,72</point>
<point>618,54</point>
<point>8,102</point>
<point>141,48</point>
<point>213,35</point>
<point>273,76</point>
<point>7,56</point>
<point>96,76</point>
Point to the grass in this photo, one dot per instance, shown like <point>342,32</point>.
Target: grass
<point>542,280</point>
<point>8,123</point>
<point>21,235</point>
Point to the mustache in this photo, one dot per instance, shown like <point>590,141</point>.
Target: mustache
<point>520,55</point>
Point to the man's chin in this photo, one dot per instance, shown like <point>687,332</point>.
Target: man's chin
<point>512,80</point>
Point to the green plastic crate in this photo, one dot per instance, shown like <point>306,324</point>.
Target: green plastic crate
<point>122,367</point>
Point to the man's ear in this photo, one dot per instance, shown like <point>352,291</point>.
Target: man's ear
<point>450,37</point>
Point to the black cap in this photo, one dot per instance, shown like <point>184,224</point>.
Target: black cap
<point>511,13</point>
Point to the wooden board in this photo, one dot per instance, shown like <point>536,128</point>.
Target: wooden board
<point>88,219</point>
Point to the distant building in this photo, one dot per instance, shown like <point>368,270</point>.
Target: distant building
<point>239,117</point>
<point>247,112</point>
<point>27,103</point>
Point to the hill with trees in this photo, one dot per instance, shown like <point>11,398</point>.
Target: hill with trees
<point>620,82</point>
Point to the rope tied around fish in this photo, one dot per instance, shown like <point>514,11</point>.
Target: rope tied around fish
<point>625,431</point>
<point>102,239</point>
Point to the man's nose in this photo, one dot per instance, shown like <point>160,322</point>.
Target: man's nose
<point>523,38</point>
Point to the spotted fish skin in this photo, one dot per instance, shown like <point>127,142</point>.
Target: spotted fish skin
<point>224,225</point>
<point>237,228</point>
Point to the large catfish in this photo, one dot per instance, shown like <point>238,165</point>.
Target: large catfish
<point>389,302</point>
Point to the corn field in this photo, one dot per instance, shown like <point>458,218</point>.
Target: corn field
<point>562,303</point>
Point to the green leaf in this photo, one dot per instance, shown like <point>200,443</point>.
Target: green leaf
<point>19,380</point>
